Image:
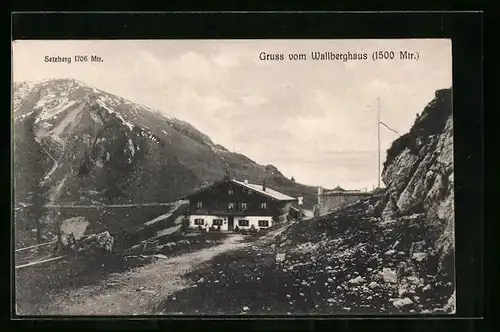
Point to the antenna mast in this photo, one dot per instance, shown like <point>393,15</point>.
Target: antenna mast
<point>378,140</point>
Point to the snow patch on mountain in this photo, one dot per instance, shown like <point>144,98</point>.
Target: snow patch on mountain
<point>22,90</point>
<point>129,125</point>
<point>131,147</point>
<point>150,136</point>
<point>67,121</point>
<point>218,148</point>
<point>48,113</point>
<point>102,102</point>
<point>95,118</point>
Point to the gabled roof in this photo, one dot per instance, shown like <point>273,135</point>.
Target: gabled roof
<point>254,187</point>
<point>268,192</point>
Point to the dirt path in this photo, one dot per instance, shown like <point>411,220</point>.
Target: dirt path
<point>138,291</point>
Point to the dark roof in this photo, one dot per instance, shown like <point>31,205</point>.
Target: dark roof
<point>254,187</point>
<point>337,188</point>
<point>268,192</point>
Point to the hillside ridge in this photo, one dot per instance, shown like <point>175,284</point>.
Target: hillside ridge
<point>83,145</point>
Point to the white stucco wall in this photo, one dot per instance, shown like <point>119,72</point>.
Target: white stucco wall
<point>252,221</point>
<point>209,220</point>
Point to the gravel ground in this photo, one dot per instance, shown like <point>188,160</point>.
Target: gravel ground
<point>342,265</point>
<point>112,283</point>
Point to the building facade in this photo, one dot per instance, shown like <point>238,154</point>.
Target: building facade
<point>331,200</point>
<point>231,204</point>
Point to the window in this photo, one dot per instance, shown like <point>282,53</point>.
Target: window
<point>199,221</point>
<point>243,205</point>
<point>199,205</point>
<point>263,205</point>
<point>243,223</point>
<point>217,222</point>
<point>230,192</point>
<point>263,223</point>
<point>230,206</point>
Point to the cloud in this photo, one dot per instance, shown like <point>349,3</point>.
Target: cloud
<point>226,60</point>
<point>190,65</point>
<point>253,100</point>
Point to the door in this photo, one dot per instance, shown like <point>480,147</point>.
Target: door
<point>230,223</point>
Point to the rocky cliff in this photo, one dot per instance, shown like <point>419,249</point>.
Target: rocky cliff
<point>394,251</point>
<point>419,174</point>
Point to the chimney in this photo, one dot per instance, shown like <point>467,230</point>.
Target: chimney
<point>320,191</point>
<point>264,185</point>
<point>246,181</point>
<point>226,174</point>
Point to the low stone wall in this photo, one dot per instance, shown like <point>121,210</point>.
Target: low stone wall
<point>332,201</point>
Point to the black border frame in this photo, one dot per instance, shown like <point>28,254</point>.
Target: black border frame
<point>464,28</point>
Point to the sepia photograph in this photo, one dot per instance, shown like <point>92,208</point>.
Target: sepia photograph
<point>233,177</point>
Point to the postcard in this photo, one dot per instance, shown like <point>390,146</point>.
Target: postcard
<point>233,177</point>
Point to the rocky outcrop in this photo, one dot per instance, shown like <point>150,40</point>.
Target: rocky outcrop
<point>397,244</point>
<point>419,176</point>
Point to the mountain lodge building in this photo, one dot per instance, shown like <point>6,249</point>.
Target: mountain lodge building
<point>337,198</point>
<point>230,204</point>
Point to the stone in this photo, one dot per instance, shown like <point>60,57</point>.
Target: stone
<point>450,305</point>
<point>370,210</point>
<point>160,256</point>
<point>76,226</point>
<point>400,303</point>
<point>389,275</point>
<point>97,242</point>
<point>357,280</point>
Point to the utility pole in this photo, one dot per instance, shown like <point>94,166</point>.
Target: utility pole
<point>378,141</point>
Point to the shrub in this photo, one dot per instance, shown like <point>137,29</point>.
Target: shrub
<point>396,148</point>
<point>431,122</point>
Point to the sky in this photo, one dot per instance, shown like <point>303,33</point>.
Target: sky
<point>314,120</point>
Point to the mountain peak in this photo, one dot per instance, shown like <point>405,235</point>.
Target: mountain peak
<point>97,145</point>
